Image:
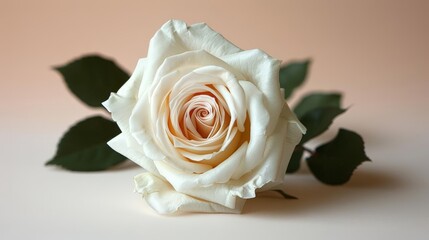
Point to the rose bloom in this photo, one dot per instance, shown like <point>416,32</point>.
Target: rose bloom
<point>206,120</point>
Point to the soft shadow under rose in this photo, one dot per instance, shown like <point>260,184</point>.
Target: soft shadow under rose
<point>205,119</point>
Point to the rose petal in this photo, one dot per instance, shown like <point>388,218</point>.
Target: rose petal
<point>217,76</point>
<point>258,69</point>
<point>213,157</point>
<point>131,87</point>
<point>259,119</point>
<point>122,103</point>
<point>176,37</point>
<point>185,182</point>
<point>277,155</point>
<point>142,130</point>
<point>179,103</point>
<point>126,147</point>
<point>264,177</point>
<point>121,109</point>
<point>165,200</point>
<point>233,95</point>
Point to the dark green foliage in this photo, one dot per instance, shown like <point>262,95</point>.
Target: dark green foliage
<point>93,78</point>
<point>334,162</point>
<point>295,160</point>
<point>84,146</point>
<point>292,76</point>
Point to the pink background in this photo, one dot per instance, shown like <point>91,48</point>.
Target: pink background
<point>376,52</point>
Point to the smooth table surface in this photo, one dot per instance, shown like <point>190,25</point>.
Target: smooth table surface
<point>376,52</point>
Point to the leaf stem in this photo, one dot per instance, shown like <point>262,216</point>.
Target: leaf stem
<point>308,150</point>
<point>284,194</point>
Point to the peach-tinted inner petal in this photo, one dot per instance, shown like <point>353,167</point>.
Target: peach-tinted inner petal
<point>200,124</point>
<point>201,117</point>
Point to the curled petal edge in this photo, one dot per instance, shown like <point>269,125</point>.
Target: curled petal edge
<point>162,197</point>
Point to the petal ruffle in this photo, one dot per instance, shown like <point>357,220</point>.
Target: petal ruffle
<point>127,146</point>
<point>176,37</point>
<point>263,71</point>
<point>165,200</point>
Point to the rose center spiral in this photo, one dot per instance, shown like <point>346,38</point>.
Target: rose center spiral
<point>201,117</point>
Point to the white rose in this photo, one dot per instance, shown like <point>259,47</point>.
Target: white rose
<point>205,119</point>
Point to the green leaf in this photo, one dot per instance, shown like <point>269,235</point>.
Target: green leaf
<point>295,160</point>
<point>292,76</point>
<point>317,100</point>
<point>84,146</point>
<point>334,162</point>
<point>92,78</point>
<point>318,120</point>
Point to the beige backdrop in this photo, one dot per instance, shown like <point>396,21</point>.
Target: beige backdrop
<point>376,52</point>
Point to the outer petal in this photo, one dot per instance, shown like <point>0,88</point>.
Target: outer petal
<point>175,67</point>
<point>263,71</point>
<point>121,109</point>
<point>176,37</point>
<point>165,200</point>
<point>183,181</point>
<point>278,150</point>
<point>127,147</point>
<point>121,104</point>
<point>130,88</point>
<point>259,122</point>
